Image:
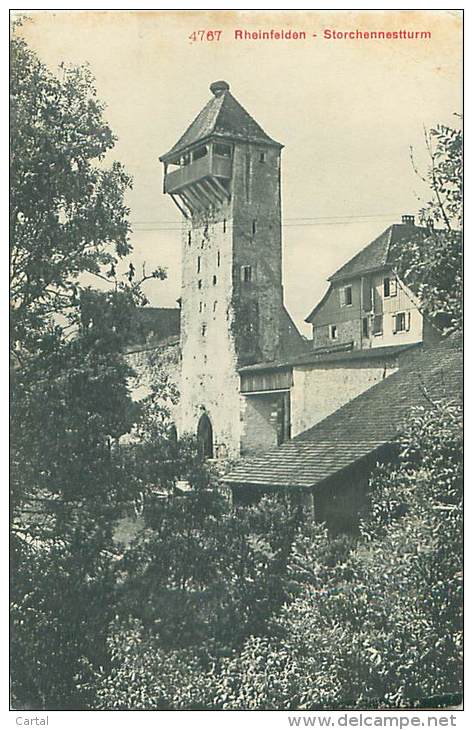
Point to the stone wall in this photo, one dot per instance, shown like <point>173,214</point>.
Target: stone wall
<point>158,366</point>
<point>321,389</point>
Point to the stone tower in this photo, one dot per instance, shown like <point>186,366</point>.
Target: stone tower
<point>224,176</point>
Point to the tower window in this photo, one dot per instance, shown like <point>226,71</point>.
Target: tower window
<point>214,279</point>
<point>215,305</point>
<point>199,152</point>
<point>199,284</point>
<point>189,238</point>
<point>222,150</point>
<point>262,156</point>
<point>224,225</point>
<point>245,274</point>
<point>247,177</point>
<point>198,264</point>
<point>333,332</point>
<point>253,227</point>
<point>201,306</point>
<point>218,258</point>
<point>204,330</point>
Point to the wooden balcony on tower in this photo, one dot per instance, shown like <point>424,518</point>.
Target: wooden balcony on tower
<point>200,178</point>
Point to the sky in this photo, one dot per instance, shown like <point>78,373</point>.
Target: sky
<point>347,111</point>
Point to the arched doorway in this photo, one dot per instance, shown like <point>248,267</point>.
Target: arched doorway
<point>205,437</point>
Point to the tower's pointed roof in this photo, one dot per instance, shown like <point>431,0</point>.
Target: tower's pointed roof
<point>223,116</point>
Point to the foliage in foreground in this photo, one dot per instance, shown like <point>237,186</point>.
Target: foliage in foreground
<point>375,624</point>
<point>431,263</point>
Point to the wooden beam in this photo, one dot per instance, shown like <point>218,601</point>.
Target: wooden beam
<point>200,189</point>
<point>181,207</point>
<point>192,195</point>
<point>214,191</point>
<point>190,204</point>
<point>221,187</point>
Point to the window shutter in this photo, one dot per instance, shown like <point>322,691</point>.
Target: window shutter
<point>394,324</point>
<point>392,287</point>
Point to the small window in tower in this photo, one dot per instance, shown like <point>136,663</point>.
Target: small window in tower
<point>199,284</point>
<point>189,238</point>
<point>247,177</point>
<point>224,225</point>
<point>199,152</point>
<point>333,333</point>
<point>204,330</point>
<point>245,274</point>
<point>215,305</point>
<point>223,150</point>
<point>198,264</point>
<point>201,306</point>
<point>218,258</point>
<point>253,227</point>
<point>214,279</point>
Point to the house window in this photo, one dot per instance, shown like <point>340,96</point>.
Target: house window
<point>365,327</point>
<point>378,324</point>
<point>389,287</point>
<point>333,332</point>
<point>401,322</point>
<point>346,296</point>
<point>245,274</point>
<point>262,156</point>
<point>253,227</point>
<point>198,264</point>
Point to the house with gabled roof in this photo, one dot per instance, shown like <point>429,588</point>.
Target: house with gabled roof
<point>329,464</point>
<point>364,322</point>
<point>366,303</point>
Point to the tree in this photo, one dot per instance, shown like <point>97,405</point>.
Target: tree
<point>381,626</point>
<point>431,264</point>
<point>69,383</point>
<point>197,582</point>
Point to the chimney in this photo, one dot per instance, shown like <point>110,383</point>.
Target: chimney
<point>408,220</point>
